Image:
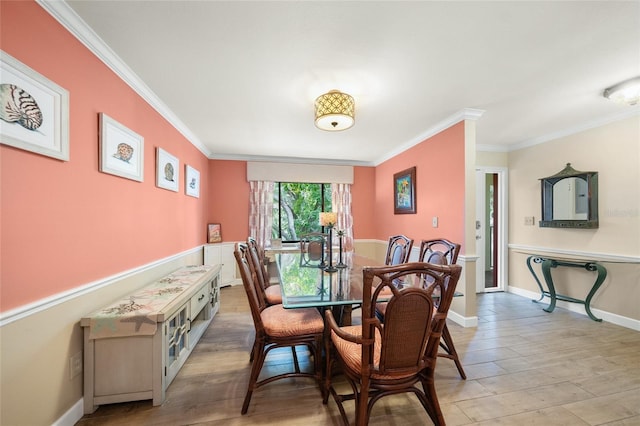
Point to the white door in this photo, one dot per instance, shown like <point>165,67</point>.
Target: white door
<point>491,228</point>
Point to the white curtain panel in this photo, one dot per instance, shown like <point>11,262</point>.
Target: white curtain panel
<point>341,204</point>
<point>261,211</point>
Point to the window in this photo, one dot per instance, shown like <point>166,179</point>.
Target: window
<point>296,208</point>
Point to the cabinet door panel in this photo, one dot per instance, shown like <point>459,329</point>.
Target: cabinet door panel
<point>212,255</point>
<point>123,365</point>
<point>222,254</point>
<point>176,339</point>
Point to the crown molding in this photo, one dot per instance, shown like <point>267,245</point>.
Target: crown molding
<point>492,148</point>
<point>69,19</point>
<point>634,111</point>
<point>463,114</point>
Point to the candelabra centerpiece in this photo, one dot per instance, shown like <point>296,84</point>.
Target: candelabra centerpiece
<point>328,220</point>
<point>340,264</point>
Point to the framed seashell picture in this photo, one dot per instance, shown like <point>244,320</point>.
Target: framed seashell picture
<point>167,170</point>
<point>34,111</point>
<point>121,150</point>
<point>191,181</point>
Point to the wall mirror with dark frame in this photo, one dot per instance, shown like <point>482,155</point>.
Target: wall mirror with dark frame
<point>570,199</point>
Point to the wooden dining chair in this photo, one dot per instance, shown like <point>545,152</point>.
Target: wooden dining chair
<point>398,250</point>
<point>443,252</point>
<point>271,292</point>
<point>400,355</point>
<point>440,252</point>
<point>312,247</point>
<point>276,327</point>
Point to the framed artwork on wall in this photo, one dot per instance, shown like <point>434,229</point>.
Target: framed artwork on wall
<point>404,191</point>
<point>34,111</point>
<point>191,181</point>
<point>167,170</point>
<point>214,233</point>
<point>121,150</point>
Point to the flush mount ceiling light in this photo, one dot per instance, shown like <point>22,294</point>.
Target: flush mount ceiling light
<point>627,92</point>
<point>334,111</point>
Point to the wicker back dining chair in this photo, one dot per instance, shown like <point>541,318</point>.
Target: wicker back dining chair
<point>398,250</point>
<point>276,327</point>
<point>271,292</point>
<point>440,252</point>
<point>312,247</point>
<point>443,252</point>
<point>400,355</point>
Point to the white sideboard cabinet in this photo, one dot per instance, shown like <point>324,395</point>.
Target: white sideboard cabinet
<point>222,254</point>
<point>134,348</point>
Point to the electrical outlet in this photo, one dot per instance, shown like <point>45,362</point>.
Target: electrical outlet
<point>529,220</point>
<point>434,221</point>
<point>75,365</point>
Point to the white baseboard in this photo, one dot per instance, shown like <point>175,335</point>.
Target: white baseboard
<point>616,319</point>
<point>461,320</point>
<point>72,415</point>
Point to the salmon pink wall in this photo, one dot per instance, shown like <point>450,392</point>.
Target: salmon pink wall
<point>229,199</point>
<point>66,224</point>
<point>440,171</point>
<point>229,202</point>
<point>363,202</point>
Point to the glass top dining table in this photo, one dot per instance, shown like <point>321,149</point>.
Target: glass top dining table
<point>305,284</point>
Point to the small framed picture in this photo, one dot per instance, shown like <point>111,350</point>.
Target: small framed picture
<point>34,111</point>
<point>191,181</point>
<point>404,191</point>
<point>167,170</point>
<point>121,150</point>
<point>214,233</point>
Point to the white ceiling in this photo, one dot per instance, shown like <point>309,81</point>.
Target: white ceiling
<point>239,78</point>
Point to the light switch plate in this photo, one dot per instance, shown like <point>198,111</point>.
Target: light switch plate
<point>434,221</point>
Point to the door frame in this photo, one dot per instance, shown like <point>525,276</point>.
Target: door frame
<point>502,227</point>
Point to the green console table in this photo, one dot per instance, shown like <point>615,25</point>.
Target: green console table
<point>549,263</point>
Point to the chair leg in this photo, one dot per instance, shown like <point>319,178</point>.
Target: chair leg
<point>328,355</point>
<point>296,365</point>
<point>448,346</point>
<point>431,398</point>
<point>362,403</point>
<point>317,362</point>
<point>256,367</point>
<point>253,348</point>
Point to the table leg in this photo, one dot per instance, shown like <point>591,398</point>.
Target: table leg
<point>535,259</point>
<point>547,264</point>
<point>342,314</point>
<point>602,274</point>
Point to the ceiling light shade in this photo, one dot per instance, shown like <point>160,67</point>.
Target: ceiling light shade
<point>335,111</point>
<point>627,92</point>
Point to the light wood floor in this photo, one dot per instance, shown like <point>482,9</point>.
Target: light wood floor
<point>524,367</point>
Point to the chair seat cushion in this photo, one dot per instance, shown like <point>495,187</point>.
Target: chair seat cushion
<point>351,353</point>
<point>281,322</point>
<point>273,294</point>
